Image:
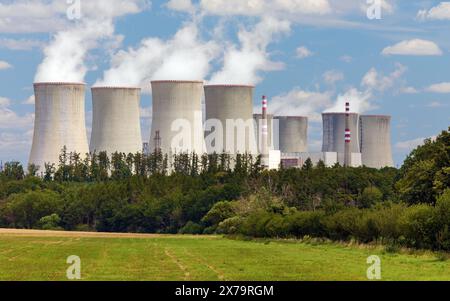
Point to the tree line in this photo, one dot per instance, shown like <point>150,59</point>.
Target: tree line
<point>217,193</point>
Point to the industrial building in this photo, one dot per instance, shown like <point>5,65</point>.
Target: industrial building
<point>334,134</point>
<point>116,120</point>
<point>293,134</point>
<point>375,137</point>
<point>297,160</point>
<point>229,119</point>
<point>177,117</point>
<point>59,121</point>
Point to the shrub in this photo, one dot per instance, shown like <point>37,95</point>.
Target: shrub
<point>218,213</point>
<point>191,228</point>
<point>230,226</point>
<point>306,223</point>
<point>50,222</point>
<point>418,225</point>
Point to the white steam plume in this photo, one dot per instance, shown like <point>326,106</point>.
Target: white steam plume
<point>184,57</point>
<point>65,56</point>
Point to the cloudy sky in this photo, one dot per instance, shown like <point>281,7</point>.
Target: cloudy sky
<point>385,56</point>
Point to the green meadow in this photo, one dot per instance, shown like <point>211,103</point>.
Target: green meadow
<point>189,258</point>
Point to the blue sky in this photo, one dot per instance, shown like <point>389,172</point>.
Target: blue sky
<point>307,55</point>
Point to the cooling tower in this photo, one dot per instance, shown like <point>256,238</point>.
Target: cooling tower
<point>293,134</point>
<point>334,134</point>
<point>271,128</point>
<point>232,107</point>
<point>375,138</point>
<point>177,117</point>
<point>116,120</point>
<point>59,121</point>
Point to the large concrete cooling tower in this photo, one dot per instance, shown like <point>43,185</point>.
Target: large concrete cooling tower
<point>59,121</point>
<point>270,127</point>
<point>232,107</point>
<point>293,133</point>
<point>116,120</point>
<point>177,117</point>
<point>375,138</point>
<point>334,134</point>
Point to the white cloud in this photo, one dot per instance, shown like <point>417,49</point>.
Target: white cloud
<point>436,104</point>
<point>11,120</point>
<point>333,76</point>
<point>29,101</point>
<point>303,52</point>
<point>298,102</point>
<point>265,7</point>
<point>5,65</point>
<point>243,63</point>
<point>4,102</point>
<point>439,88</point>
<point>439,12</point>
<point>409,145</point>
<point>20,44</point>
<point>346,58</point>
<point>181,5</point>
<point>416,47</point>
<point>409,90</point>
<point>375,81</point>
<point>32,16</point>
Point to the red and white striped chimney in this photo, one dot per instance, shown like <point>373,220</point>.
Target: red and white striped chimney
<point>348,137</point>
<point>348,133</point>
<point>264,132</point>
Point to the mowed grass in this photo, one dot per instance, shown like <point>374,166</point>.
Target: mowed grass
<point>204,258</point>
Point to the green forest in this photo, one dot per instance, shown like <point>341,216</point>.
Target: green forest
<point>405,207</point>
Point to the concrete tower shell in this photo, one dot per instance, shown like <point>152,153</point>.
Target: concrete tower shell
<point>59,121</point>
<point>334,134</point>
<point>375,135</point>
<point>232,103</point>
<point>177,117</point>
<point>116,120</point>
<point>271,128</point>
<point>293,132</point>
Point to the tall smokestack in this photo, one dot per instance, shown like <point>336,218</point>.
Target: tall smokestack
<point>348,137</point>
<point>116,120</point>
<point>264,133</point>
<point>59,121</point>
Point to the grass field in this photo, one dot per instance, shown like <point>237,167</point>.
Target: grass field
<point>36,255</point>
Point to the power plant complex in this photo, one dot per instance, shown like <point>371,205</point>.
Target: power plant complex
<point>179,125</point>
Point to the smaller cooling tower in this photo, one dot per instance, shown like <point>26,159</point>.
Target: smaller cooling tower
<point>375,135</point>
<point>293,134</point>
<point>334,134</point>
<point>270,127</point>
<point>59,121</point>
<point>232,106</point>
<point>116,120</point>
<point>177,117</point>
